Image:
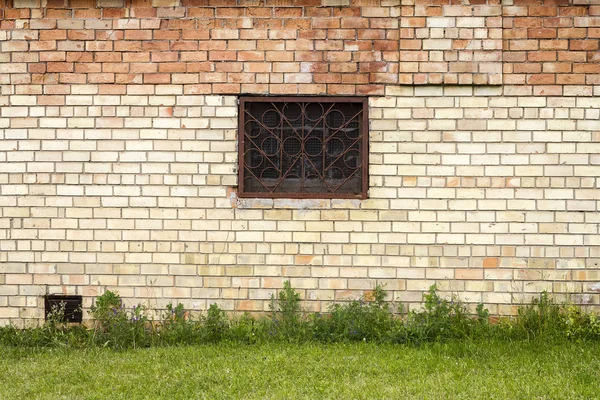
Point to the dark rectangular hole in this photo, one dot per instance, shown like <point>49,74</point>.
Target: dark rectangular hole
<point>71,304</point>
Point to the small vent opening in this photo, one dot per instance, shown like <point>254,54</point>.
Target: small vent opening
<point>68,306</point>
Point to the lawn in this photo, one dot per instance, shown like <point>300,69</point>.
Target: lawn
<point>455,370</point>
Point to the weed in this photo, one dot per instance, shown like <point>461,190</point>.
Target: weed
<point>245,329</point>
<point>286,314</point>
<point>176,314</point>
<point>177,327</point>
<point>357,320</point>
<point>542,318</point>
<point>119,327</point>
<point>580,325</point>
<point>440,319</point>
<point>216,324</point>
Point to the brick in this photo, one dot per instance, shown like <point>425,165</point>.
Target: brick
<point>166,3</point>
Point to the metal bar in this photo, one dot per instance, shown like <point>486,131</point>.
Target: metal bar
<point>365,148</point>
<point>345,124</point>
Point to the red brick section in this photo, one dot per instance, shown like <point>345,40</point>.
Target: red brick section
<point>210,46</point>
<point>451,42</point>
<point>552,46</point>
<point>300,46</point>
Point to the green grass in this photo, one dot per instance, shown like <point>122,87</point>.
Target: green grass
<point>451,370</point>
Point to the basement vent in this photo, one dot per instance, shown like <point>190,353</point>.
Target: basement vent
<point>55,303</point>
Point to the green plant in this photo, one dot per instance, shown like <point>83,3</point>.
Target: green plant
<point>580,325</point>
<point>543,317</point>
<point>483,314</point>
<point>245,329</point>
<point>177,327</point>
<point>55,332</point>
<point>215,324</point>
<point>357,320</point>
<point>286,314</point>
<point>440,319</point>
<point>56,316</point>
<point>107,308</point>
<point>176,314</point>
<point>119,327</point>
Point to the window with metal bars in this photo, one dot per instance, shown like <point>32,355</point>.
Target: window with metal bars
<point>302,147</point>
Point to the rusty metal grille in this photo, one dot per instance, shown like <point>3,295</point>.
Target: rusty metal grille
<point>303,147</point>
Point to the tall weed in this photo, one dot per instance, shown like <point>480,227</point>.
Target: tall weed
<point>286,314</point>
<point>542,318</point>
<point>177,327</point>
<point>215,325</point>
<point>441,319</point>
<point>118,327</point>
<point>357,320</point>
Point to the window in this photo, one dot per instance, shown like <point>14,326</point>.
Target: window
<point>303,147</point>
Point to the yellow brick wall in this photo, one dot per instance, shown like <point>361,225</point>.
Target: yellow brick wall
<point>493,197</point>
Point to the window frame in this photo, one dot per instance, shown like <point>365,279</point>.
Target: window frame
<point>364,146</point>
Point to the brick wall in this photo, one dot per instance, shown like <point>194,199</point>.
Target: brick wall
<point>285,48</point>
<point>451,43</point>
<point>118,152</point>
